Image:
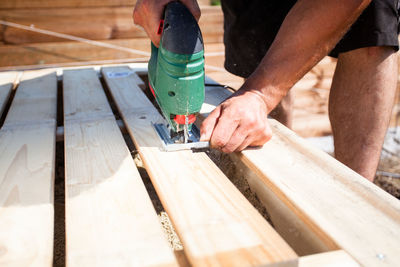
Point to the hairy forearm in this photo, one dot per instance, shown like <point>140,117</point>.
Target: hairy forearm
<point>310,30</point>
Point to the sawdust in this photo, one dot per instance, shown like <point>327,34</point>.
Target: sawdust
<point>166,224</point>
<point>59,208</point>
<point>169,231</point>
<point>228,167</point>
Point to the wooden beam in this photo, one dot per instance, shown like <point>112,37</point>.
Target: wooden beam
<point>110,219</point>
<point>27,162</point>
<point>99,23</point>
<point>333,202</point>
<point>37,55</point>
<point>64,52</point>
<point>216,224</point>
<point>287,223</point>
<point>63,3</point>
<point>7,80</point>
<point>95,23</point>
<point>13,4</point>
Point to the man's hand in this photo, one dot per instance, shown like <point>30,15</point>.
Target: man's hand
<point>238,122</point>
<point>148,13</point>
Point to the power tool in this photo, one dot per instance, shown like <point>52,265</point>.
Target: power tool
<point>176,77</point>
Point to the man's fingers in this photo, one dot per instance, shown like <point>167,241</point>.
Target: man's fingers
<point>243,138</point>
<point>193,7</point>
<point>257,138</point>
<point>148,13</point>
<point>223,130</point>
<point>209,123</point>
<point>155,38</point>
<point>246,143</point>
<point>237,139</point>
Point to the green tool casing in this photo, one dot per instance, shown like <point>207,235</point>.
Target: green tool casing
<point>176,68</point>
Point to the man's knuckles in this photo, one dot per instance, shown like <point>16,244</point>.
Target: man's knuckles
<point>262,138</point>
<point>218,141</point>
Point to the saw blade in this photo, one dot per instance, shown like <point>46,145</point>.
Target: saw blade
<point>186,130</point>
<point>174,144</point>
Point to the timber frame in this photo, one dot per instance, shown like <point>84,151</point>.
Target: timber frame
<point>323,213</point>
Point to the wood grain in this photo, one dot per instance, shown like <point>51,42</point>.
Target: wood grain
<point>216,224</point>
<point>62,52</point>
<point>37,55</point>
<point>63,3</point>
<point>341,208</point>
<point>27,162</point>
<point>95,23</point>
<point>12,4</point>
<point>110,220</point>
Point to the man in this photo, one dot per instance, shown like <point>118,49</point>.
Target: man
<point>274,43</point>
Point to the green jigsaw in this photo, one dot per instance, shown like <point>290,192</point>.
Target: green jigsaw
<point>176,77</point>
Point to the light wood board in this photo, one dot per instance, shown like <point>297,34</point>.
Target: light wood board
<point>27,160</point>
<point>39,55</point>
<point>216,224</point>
<point>341,208</point>
<point>63,3</point>
<point>95,23</point>
<point>15,4</point>
<point>337,258</point>
<point>110,220</point>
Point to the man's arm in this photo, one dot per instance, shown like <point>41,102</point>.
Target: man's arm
<point>310,30</point>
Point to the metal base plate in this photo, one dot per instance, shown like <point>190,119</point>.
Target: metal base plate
<point>170,144</point>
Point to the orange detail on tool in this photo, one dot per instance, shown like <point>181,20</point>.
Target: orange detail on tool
<point>181,119</point>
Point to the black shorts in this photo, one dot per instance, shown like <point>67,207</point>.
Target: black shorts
<point>251,26</point>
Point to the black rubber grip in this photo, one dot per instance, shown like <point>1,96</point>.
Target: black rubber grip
<point>181,33</point>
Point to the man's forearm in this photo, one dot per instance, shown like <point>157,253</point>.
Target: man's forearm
<point>310,30</point>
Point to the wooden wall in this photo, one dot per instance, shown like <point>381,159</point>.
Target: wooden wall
<point>108,21</point>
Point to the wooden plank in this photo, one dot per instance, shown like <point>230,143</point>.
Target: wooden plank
<point>328,259</point>
<point>98,23</point>
<point>287,223</point>
<point>335,203</point>
<point>115,28</point>
<point>33,106</point>
<point>71,3</point>
<point>66,52</point>
<point>92,23</point>
<point>216,224</point>
<point>7,80</point>
<point>63,52</point>
<point>27,162</point>
<point>298,234</point>
<point>110,219</point>
<point>63,3</point>
<point>90,31</point>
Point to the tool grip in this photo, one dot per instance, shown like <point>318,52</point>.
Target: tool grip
<point>181,33</point>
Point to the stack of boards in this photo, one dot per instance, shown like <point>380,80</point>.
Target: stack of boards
<point>323,213</point>
<point>108,21</point>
